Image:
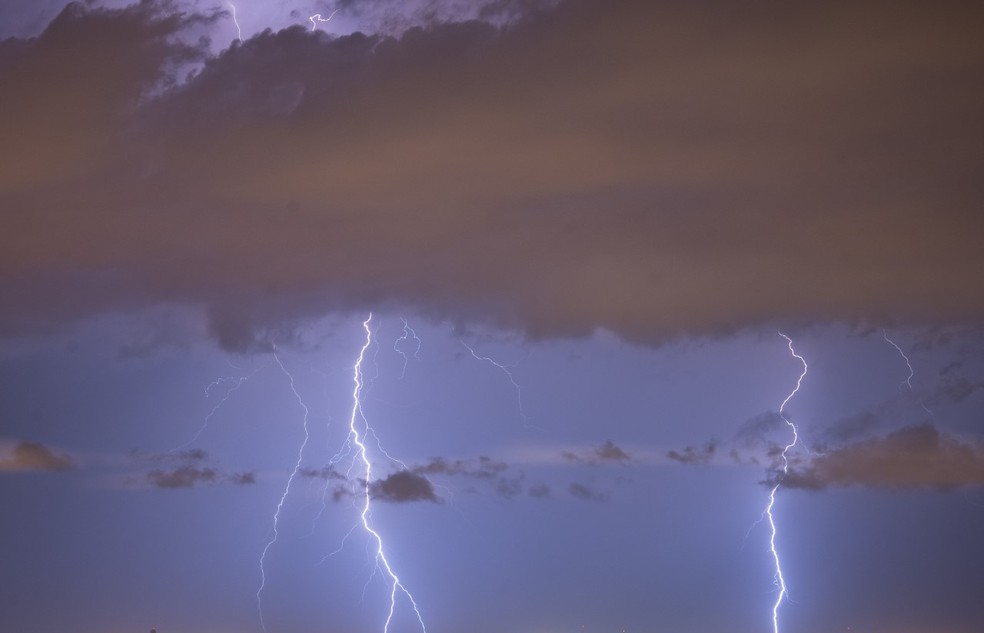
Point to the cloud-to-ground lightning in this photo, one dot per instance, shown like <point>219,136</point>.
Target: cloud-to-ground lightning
<point>283,497</point>
<point>358,440</point>
<point>912,372</point>
<point>235,20</point>
<point>505,369</point>
<point>779,579</point>
<point>317,18</point>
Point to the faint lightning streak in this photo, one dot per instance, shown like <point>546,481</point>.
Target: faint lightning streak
<point>208,392</point>
<point>366,508</point>
<point>317,18</point>
<point>505,370</point>
<point>408,335</point>
<point>283,497</point>
<point>779,580</point>
<point>908,380</point>
<point>235,20</point>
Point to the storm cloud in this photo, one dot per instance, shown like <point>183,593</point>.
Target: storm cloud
<point>647,167</point>
<point>913,457</point>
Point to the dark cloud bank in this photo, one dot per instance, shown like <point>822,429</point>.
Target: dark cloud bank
<point>655,168</point>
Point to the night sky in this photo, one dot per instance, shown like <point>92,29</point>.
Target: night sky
<point>567,240</point>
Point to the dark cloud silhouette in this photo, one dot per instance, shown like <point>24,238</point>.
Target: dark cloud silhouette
<point>326,473</point>
<point>912,457</point>
<point>539,491</point>
<point>482,468</point>
<point>242,479</point>
<point>509,486</point>
<point>585,493</point>
<point>403,486</point>
<point>190,476</point>
<point>27,456</point>
<point>185,469</point>
<point>607,452</point>
<point>673,170</point>
<point>694,455</point>
<point>189,456</point>
<point>182,477</point>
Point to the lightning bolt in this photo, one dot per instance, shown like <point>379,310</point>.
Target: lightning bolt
<point>505,369</point>
<point>208,392</point>
<point>317,18</point>
<point>779,580</point>
<point>908,379</point>
<point>357,439</point>
<point>235,20</point>
<point>408,335</point>
<point>283,497</point>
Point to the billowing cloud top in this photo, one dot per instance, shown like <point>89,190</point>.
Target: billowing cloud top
<point>649,167</point>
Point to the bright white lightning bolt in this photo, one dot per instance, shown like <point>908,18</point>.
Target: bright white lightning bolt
<point>382,563</point>
<point>317,18</point>
<point>283,497</point>
<point>779,580</point>
<point>235,20</point>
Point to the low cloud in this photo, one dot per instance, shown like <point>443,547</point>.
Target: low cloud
<point>403,487</point>
<point>694,455</point>
<point>28,456</point>
<point>182,477</point>
<point>326,473</point>
<point>482,468</point>
<point>185,469</point>
<point>585,493</point>
<point>913,457</point>
<point>607,452</point>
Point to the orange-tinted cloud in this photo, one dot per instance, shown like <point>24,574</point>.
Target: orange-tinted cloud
<point>649,167</point>
<point>912,457</point>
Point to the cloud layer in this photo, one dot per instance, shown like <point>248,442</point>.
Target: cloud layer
<point>648,167</point>
<point>184,469</point>
<point>912,457</point>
